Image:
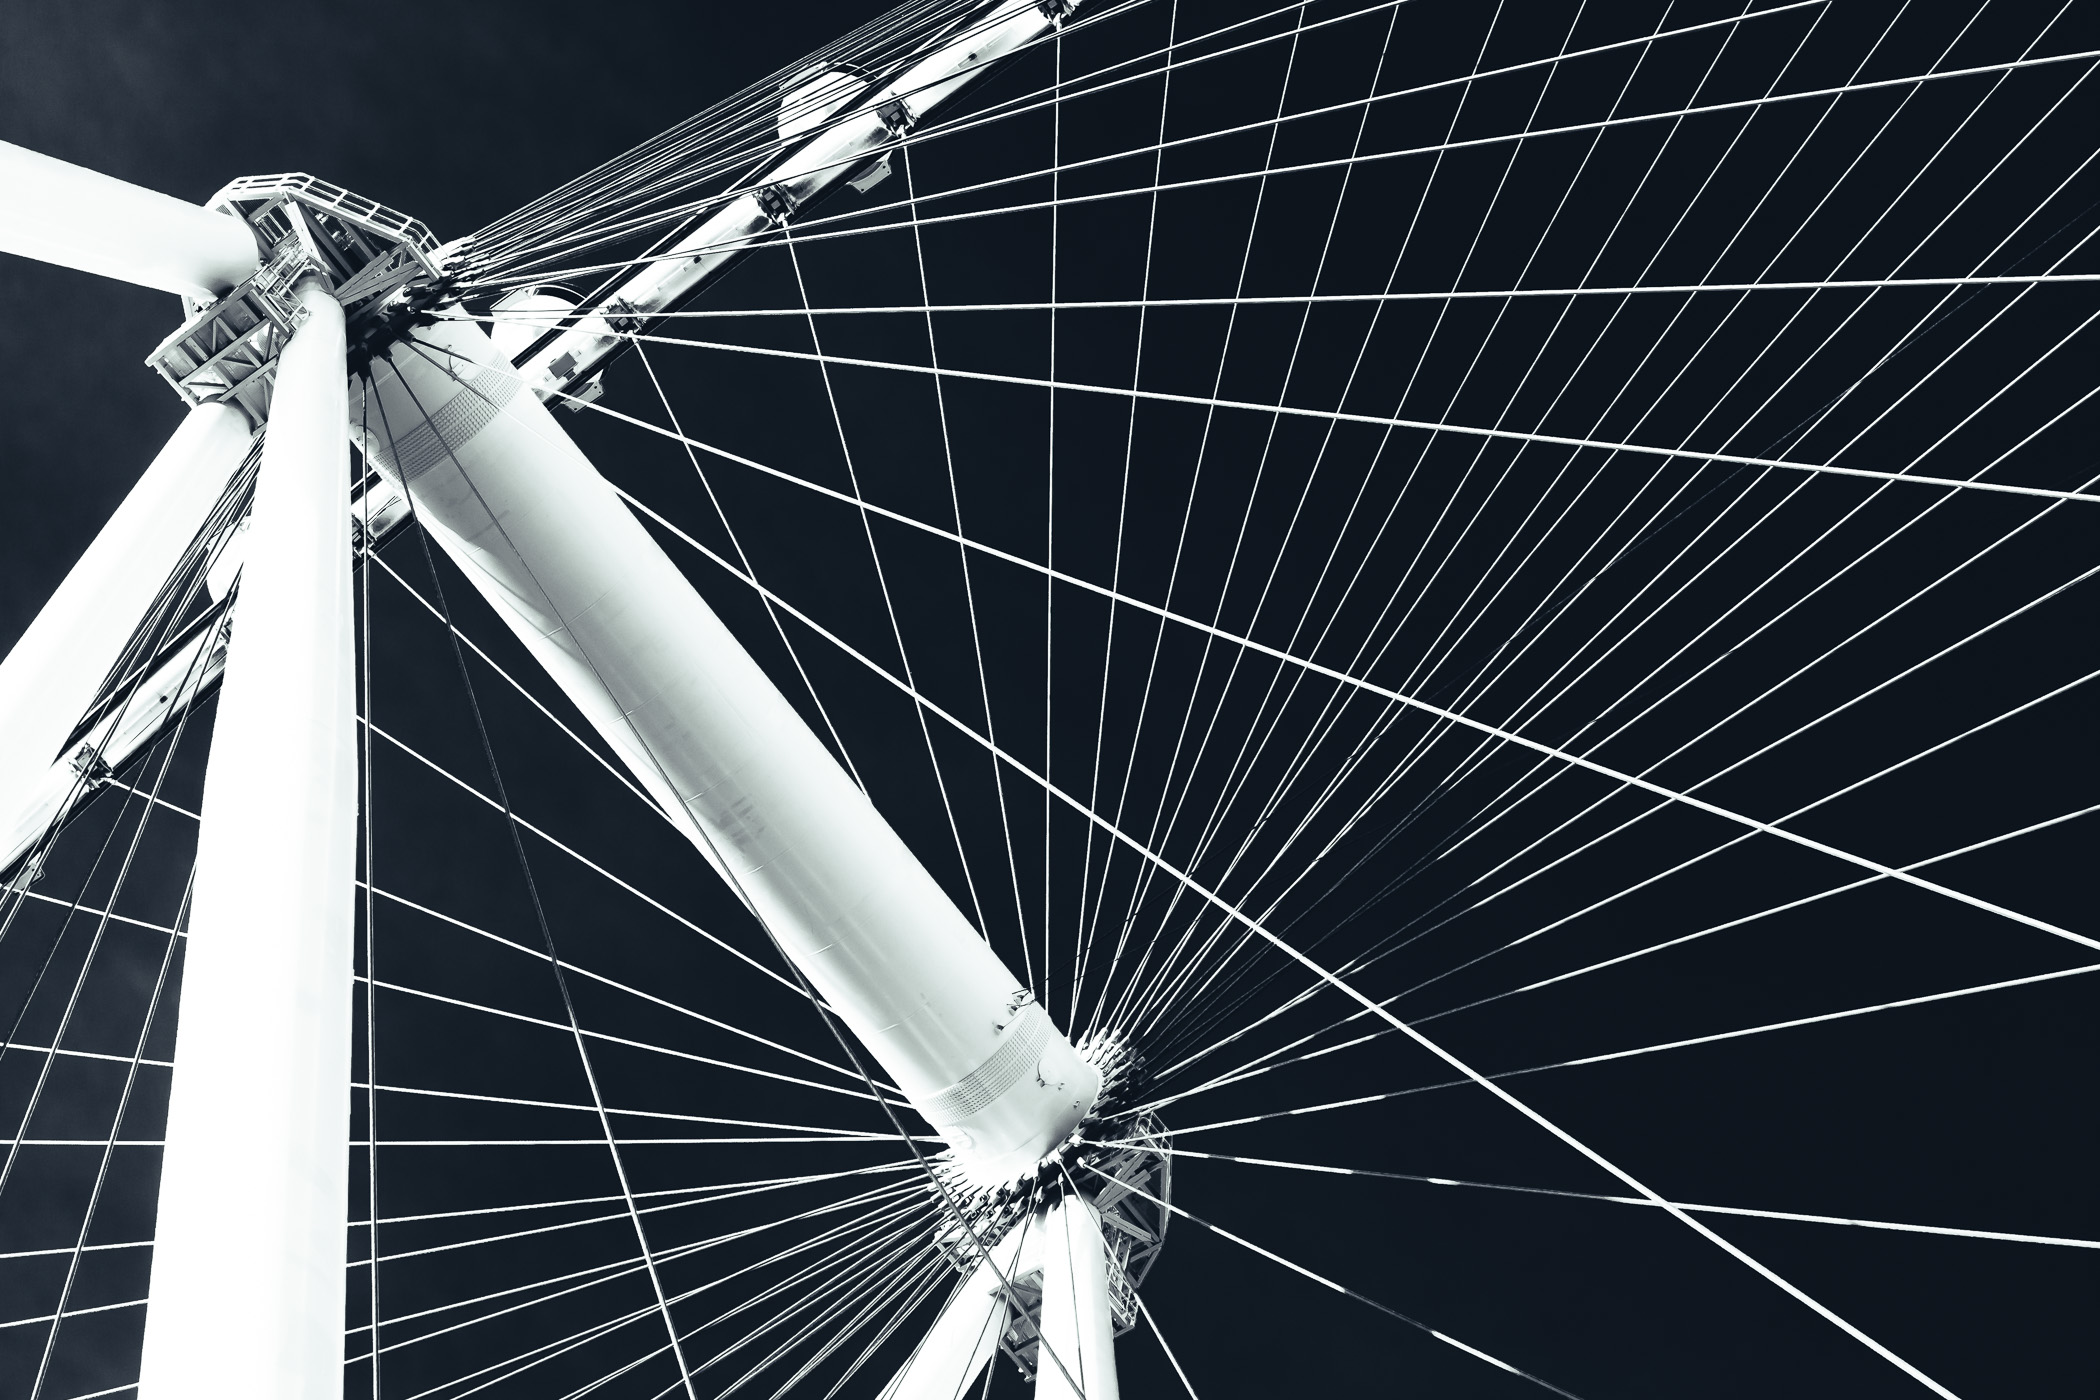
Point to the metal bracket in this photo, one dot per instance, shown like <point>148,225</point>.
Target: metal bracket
<point>93,772</point>
<point>578,397</point>
<point>776,203</point>
<point>871,174</point>
<point>895,116</point>
<point>1014,1003</point>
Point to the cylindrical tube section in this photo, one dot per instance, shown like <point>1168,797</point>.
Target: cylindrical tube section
<point>246,1301</point>
<point>615,623</point>
<point>1078,1359</point>
<point>51,675</point>
<point>962,1339</point>
<point>62,213</point>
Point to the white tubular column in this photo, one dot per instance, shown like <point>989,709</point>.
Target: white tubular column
<point>964,1336</point>
<point>51,676</point>
<point>550,545</point>
<point>247,1294</point>
<point>1076,1324</point>
<point>61,213</point>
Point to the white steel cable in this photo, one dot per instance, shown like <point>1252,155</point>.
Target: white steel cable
<point>697,1195</point>
<point>1481,750</point>
<point>583,1055</point>
<point>521,1362</point>
<point>1342,1289</point>
<point>1246,261</point>
<point>1949,1230</point>
<point>1730,459</point>
<point>548,321</point>
<point>1296,32</point>
<point>1070,802</point>
<point>838,744</point>
<point>1438,711</point>
<point>1485,1081</point>
<point>1163,989</point>
<point>1213,819</point>
<point>904,655</point>
<point>610,1039</point>
<point>116,1123</point>
<point>1013,108</point>
<point>1268,1061</point>
<point>813,232</point>
<point>1112,611</point>
<point>1794,1024</point>
<point>520,689</point>
<point>626,1267</point>
<point>1084,922</point>
<point>1330,673</point>
<point>508,1235</point>
<point>616,985</point>
<point>1263,1063</point>
<point>586,862</point>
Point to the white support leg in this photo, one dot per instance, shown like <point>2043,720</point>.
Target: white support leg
<point>247,1294</point>
<point>546,541</point>
<point>1076,1325</point>
<point>67,214</point>
<point>51,675</point>
<point>965,1335</point>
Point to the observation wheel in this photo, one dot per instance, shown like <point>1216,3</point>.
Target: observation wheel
<point>1092,698</point>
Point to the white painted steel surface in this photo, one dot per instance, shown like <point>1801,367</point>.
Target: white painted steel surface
<point>545,539</point>
<point>821,164</point>
<point>512,337</point>
<point>966,1334</point>
<point>62,213</point>
<point>1076,1324</point>
<point>247,1293</point>
<point>821,92</point>
<point>165,692</point>
<point>51,675</point>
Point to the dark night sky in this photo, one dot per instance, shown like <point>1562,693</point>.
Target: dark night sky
<point>156,94</point>
<point>1974,1114</point>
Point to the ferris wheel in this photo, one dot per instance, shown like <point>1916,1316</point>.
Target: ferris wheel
<point>1241,699</point>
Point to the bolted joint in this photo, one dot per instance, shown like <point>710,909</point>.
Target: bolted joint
<point>93,770</point>
<point>777,203</point>
<point>1014,1003</point>
<point>623,316</point>
<point>896,116</point>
